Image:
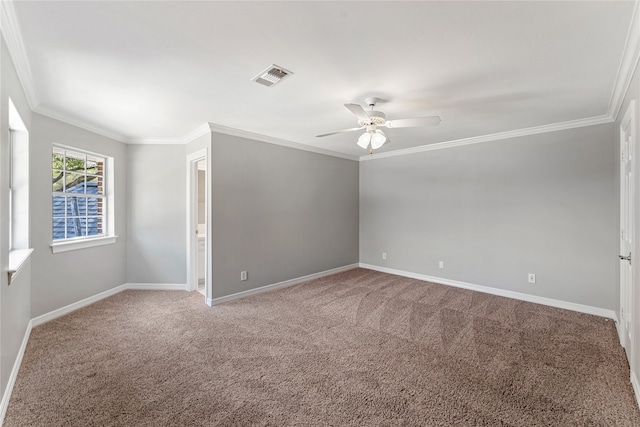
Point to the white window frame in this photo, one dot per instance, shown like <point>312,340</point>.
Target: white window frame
<point>108,236</point>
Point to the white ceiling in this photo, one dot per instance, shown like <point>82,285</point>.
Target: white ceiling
<point>158,70</point>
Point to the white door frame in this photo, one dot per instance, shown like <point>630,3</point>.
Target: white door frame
<point>192,222</point>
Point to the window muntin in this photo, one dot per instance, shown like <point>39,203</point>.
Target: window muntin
<point>79,202</point>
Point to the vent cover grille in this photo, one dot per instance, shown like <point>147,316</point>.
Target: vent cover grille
<point>272,75</point>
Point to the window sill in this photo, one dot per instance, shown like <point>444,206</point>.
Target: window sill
<point>17,258</point>
<point>72,245</point>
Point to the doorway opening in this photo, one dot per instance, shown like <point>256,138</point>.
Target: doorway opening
<point>202,226</point>
<point>198,225</point>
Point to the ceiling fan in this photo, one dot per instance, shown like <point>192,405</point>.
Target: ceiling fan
<point>374,138</point>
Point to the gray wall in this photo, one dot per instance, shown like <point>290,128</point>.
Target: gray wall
<point>495,211</point>
<point>279,213</point>
<point>64,278</point>
<point>156,214</point>
<point>15,300</point>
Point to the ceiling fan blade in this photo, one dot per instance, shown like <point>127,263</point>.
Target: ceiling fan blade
<point>339,131</point>
<point>358,111</point>
<point>417,121</point>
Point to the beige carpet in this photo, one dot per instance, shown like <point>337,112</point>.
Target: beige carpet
<point>357,348</point>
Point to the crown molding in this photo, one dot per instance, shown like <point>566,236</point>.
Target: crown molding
<point>154,141</point>
<point>10,29</point>
<point>277,141</point>
<point>201,130</point>
<point>54,114</point>
<point>493,137</point>
<point>628,65</point>
<point>209,128</point>
<point>13,37</point>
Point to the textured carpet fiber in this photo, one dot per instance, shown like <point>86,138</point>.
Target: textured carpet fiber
<point>357,348</point>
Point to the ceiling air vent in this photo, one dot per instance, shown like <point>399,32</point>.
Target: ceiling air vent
<point>272,75</point>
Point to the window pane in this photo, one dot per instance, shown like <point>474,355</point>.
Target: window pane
<point>58,206</point>
<point>74,228</point>
<point>74,161</point>
<point>82,206</point>
<point>57,158</point>
<point>72,206</point>
<point>94,185</point>
<point>94,226</point>
<point>95,165</point>
<point>74,183</point>
<point>58,228</point>
<point>57,179</point>
<point>92,166</point>
<point>92,206</point>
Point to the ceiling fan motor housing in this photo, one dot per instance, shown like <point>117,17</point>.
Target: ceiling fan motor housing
<point>375,118</point>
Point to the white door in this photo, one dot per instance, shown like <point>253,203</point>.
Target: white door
<point>627,224</point>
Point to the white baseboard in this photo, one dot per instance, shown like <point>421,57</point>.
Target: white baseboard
<point>102,295</point>
<point>6,396</point>
<point>266,288</point>
<point>156,286</point>
<point>636,387</point>
<point>215,301</point>
<point>602,312</point>
<point>4,403</point>
<point>36,321</point>
<point>619,329</point>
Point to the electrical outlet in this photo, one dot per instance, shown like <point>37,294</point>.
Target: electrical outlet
<point>531,278</point>
<point>441,264</point>
<point>384,255</point>
<point>243,275</point>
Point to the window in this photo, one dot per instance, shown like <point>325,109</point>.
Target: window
<point>81,200</point>
<point>19,249</point>
<point>18,189</point>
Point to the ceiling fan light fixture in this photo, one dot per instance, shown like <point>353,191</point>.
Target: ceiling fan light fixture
<point>364,140</point>
<point>378,139</point>
<point>374,138</point>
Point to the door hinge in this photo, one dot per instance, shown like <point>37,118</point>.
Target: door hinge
<point>628,257</point>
